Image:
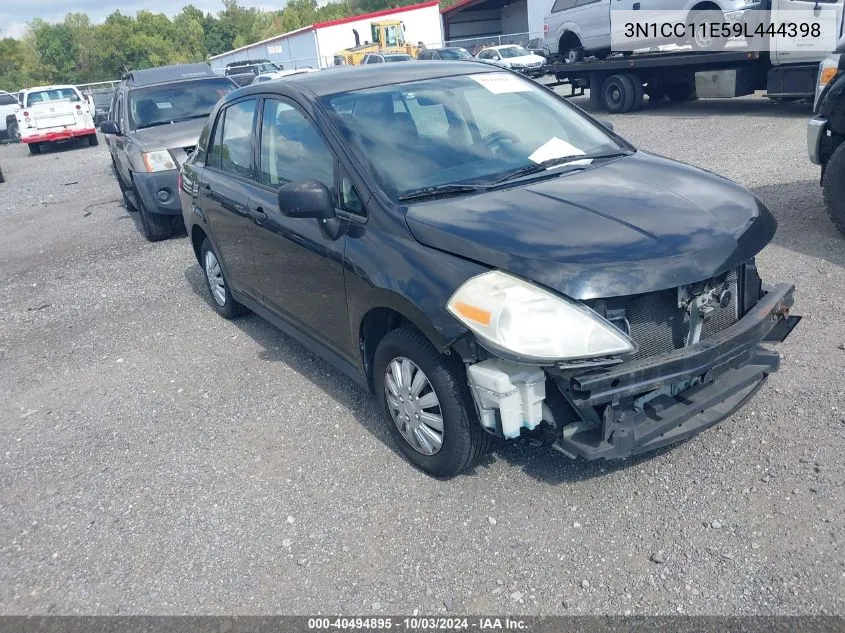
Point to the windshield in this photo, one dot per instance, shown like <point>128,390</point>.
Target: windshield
<point>461,129</point>
<point>455,53</point>
<point>513,51</point>
<point>158,105</point>
<point>48,96</point>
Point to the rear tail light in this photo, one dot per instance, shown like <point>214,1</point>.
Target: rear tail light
<point>545,29</point>
<point>78,107</point>
<point>179,181</point>
<point>25,113</point>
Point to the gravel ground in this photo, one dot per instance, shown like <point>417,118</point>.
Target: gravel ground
<point>159,459</point>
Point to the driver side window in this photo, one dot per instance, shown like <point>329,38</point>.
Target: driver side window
<point>292,148</point>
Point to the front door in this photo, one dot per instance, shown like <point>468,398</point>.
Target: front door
<point>225,187</point>
<point>299,261</point>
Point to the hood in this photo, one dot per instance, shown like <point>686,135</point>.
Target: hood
<point>172,136</point>
<point>631,225</point>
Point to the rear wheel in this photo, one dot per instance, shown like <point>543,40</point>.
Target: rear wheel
<point>221,298</point>
<point>156,226</point>
<point>93,140</point>
<point>617,94</point>
<point>34,148</point>
<point>833,187</point>
<point>426,404</point>
<point>703,20</point>
<point>2,179</point>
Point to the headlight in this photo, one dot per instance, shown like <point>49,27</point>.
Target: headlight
<point>512,315</point>
<point>159,161</point>
<point>828,69</point>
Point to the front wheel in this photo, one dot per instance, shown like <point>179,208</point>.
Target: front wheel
<point>833,187</point>
<point>426,404</point>
<point>156,226</point>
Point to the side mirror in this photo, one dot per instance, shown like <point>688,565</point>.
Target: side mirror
<point>606,124</point>
<point>110,127</point>
<point>306,199</point>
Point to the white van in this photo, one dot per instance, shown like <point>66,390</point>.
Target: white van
<point>575,27</point>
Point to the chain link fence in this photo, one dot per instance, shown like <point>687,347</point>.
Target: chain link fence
<point>101,93</point>
<point>477,44</point>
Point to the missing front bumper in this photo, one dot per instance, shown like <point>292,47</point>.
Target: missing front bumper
<point>642,405</point>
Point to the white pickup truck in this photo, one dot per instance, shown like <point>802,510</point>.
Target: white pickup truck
<point>52,114</point>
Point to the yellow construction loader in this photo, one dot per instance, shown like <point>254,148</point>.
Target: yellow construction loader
<point>387,37</point>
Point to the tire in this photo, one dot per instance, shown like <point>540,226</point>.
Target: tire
<point>463,440</point>
<point>833,188</point>
<point>617,94</point>
<point>156,226</point>
<point>93,140</point>
<point>2,179</point>
<point>222,301</point>
<point>639,92</point>
<point>572,55</point>
<point>34,148</point>
<point>679,92</point>
<point>706,16</point>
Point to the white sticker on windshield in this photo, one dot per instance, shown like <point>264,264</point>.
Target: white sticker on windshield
<point>163,105</point>
<point>500,83</point>
<point>557,148</point>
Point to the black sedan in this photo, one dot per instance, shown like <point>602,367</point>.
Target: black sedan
<point>485,274</point>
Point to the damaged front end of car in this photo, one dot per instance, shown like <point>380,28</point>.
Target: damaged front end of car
<point>696,354</point>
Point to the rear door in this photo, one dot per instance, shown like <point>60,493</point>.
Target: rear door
<point>225,187</point>
<point>299,260</point>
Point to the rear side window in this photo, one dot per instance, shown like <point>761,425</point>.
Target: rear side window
<point>231,149</point>
<point>562,5</point>
<point>7,100</point>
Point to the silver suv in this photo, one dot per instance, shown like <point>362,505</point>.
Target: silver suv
<point>575,27</point>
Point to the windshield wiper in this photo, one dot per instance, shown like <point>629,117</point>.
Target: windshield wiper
<point>172,121</point>
<point>440,190</point>
<point>537,168</point>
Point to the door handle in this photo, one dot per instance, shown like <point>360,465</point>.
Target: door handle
<point>258,214</point>
<point>636,6</point>
<point>206,187</point>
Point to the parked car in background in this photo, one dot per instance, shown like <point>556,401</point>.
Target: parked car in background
<point>382,58</point>
<point>575,28</point>
<point>539,47</point>
<point>281,74</point>
<point>826,134</point>
<point>511,273</point>
<point>244,71</point>
<point>54,114</point>
<point>102,103</point>
<point>8,106</point>
<point>154,122</point>
<point>449,53</point>
<point>516,58</point>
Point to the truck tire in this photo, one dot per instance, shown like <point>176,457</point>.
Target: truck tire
<point>617,94</point>
<point>462,439</point>
<point>2,179</point>
<point>35,148</point>
<point>833,187</point>
<point>93,140</point>
<point>639,91</point>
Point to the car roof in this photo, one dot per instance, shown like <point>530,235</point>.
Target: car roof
<point>501,46</point>
<point>344,78</point>
<point>167,74</point>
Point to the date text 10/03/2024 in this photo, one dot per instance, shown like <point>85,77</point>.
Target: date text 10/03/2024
<point>415,623</point>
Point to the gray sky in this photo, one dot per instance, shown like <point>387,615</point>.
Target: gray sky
<point>14,14</point>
